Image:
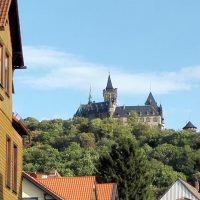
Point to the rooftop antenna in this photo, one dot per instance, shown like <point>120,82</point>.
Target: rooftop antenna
<point>150,86</point>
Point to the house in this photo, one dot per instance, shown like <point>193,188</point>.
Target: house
<point>149,113</point>
<point>54,187</point>
<point>190,127</point>
<point>12,129</point>
<point>181,190</point>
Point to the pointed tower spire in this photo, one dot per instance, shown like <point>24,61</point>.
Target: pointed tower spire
<point>109,84</point>
<point>150,100</point>
<point>90,96</point>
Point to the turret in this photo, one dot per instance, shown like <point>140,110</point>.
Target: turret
<point>189,126</point>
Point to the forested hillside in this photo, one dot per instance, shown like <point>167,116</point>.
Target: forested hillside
<point>131,154</point>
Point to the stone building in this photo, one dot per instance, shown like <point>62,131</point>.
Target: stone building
<point>149,113</point>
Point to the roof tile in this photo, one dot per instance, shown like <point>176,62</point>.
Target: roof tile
<point>4,8</point>
<point>104,191</point>
<point>71,188</point>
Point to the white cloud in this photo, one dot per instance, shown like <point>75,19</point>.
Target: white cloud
<point>52,69</point>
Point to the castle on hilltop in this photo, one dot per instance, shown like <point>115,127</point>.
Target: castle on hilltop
<point>149,113</point>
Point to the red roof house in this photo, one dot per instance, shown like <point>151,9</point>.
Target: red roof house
<point>68,188</point>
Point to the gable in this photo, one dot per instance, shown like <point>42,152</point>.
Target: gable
<point>32,188</point>
<point>178,191</point>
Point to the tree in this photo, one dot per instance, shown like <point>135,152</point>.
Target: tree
<point>163,176</point>
<point>78,160</point>
<point>41,158</point>
<point>127,166</point>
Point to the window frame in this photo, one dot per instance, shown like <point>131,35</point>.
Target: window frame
<point>7,73</point>
<point>1,65</point>
<point>155,119</point>
<point>8,163</point>
<point>148,119</point>
<point>14,167</point>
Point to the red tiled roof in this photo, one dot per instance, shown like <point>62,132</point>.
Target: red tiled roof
<point>104,191</point>
<point>4,8</point>
<point>71,188</point>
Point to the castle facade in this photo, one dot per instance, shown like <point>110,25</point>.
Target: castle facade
<point>149,113</point>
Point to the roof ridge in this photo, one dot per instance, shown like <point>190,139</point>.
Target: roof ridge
<point>190,188</point>
<point>67,177</point>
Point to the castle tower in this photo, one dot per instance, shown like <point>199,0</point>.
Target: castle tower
<point>189,126</point>
<point>110,93</point>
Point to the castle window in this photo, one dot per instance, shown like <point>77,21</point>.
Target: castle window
<point>139,113</point>
<point>148,119</point>
<point>141,119</point>
<point>155,119</point>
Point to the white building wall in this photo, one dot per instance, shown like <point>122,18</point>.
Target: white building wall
<point>30,190</point>
<point>178,190</point>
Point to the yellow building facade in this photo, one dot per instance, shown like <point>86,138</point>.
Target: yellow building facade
<point>11,126</point>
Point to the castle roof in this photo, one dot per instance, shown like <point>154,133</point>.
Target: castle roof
<point>141,111</point>
<point>109,84</point>
<point>150,100</point>
<point>93,109</point>
<point>189,125</point>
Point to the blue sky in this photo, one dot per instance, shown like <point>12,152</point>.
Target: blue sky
<point>144,44</point>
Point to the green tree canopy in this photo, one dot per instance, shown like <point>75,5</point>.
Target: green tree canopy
<point>127,166</point>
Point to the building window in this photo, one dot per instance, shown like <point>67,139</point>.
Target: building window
<point>141,119</point>
<point>8,162</point>
<point>155,119</point>
<point>148,119</point>
<point>1,65</point>
<point>7,77</point>
<point>14,169</point>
